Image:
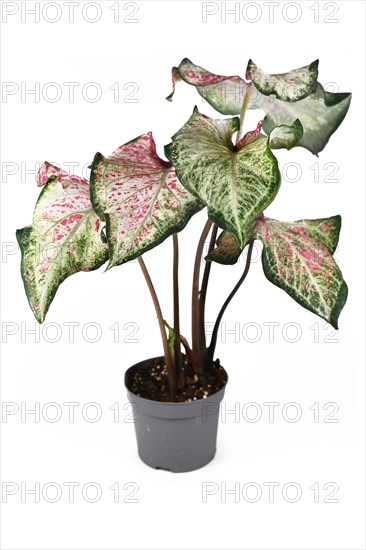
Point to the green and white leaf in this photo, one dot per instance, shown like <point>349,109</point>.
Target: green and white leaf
<point>140,197</point>
<point>65,237</point>
<point>291,86</point>
<point>282,99</point>
<point>297,257</point>
<point>320,114</point>
<point>235,184</point>
<point>227,250</point>
<point>286,137</point>
<point>223,93</point>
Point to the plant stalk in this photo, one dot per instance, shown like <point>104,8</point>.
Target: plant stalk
<point>202,296</point>
<point>167,356</point>
<point>177,342</point>
<point>196,348</point>
<point>242,116</point>
<point>211,349</point>
<point>186,348</point>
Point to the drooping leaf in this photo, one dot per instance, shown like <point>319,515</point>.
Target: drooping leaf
<point>297,257</point>
<point>235,184</point>
<point>65,237</point>
<point>140,197</point>
<point>320,114</point>
<point>227,250</point>
<point>286,137</point>
<point>224,93</point>
<point>290,86</point>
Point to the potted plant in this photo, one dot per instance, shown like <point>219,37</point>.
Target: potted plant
<point>135,200</point>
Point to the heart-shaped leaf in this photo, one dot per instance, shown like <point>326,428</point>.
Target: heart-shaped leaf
<point>224,93</point>
<point>297,257</point>
<point>140,197</point>
<point>290,86</point>
<point>227,250</point>
<point>65,237</point>
<point>236,184</point>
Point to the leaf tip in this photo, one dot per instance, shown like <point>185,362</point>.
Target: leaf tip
<point>250,65</point>
<point>339,305</point>
<point>175,78</point>
<point>98,157</point>
<point>40,317</point>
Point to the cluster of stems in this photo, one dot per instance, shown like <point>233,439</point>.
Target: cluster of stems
<point>200,355</point>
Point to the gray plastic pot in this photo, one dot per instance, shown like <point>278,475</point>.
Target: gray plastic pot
<point>178,437</point>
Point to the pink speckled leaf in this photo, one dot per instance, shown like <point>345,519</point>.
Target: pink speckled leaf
<point>140,197</point>
<point>297,257</point>
<point>64,238</point>
<point>224,93</point>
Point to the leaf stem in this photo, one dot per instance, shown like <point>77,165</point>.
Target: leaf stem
<point>203,293</point>
<point>167,356</point>
<point>177,348</point>
<point>242,116</point>
<point>197,360</point>
<point>211,349</point>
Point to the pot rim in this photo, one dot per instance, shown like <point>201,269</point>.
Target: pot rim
<point>167,403</point>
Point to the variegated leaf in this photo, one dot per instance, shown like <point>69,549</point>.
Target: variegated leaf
<point>227,249</point>
<point>65,237</point>
<point>320,114</point>
<point>297,257</point>
<point>236,184</point>
<point>224,93</point>
<point>290,86</point>
<point>140,197</point>
<point>286,137</point>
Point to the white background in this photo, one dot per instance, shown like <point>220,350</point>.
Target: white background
<point>170,512</point>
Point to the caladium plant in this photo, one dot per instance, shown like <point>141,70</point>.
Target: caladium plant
<point>135,200</point>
